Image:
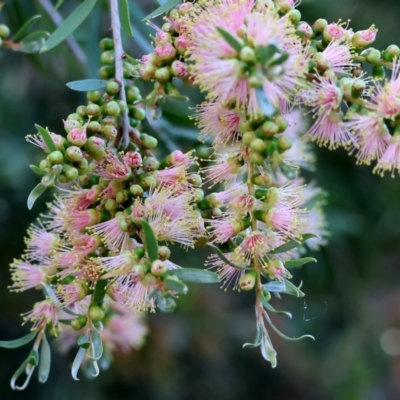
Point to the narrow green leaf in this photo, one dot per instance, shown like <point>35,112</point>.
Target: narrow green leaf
<point>13,344</point>
<point>282,335</point>
<point>179,98</point>
<point>299,262</point>
<point>195,275</point>
<point>50,293</point>
<point>307,236</point>
<point>125,17</point>
<point>84,341</point>
<point>86,85</point>
<point>169,5</point>
<point>275,286</point>
<point>269,307</point>
<point>45,134</point>
<point>234,43</point>
<point>33,42</point>
<point>77,363</point>
<point>150,241</point>
<point>266,52</point>
<point>289,171</point>
<point>69,25</point>
<point>37,170</point>
<point>280,60</point>
<point>36,192</point>
<point>58,4</point>
<point>257,340</point>
<point>19,372</point>
<point>292,289</point>
<point>33,358</point>
<point>264,103</point>
<point>175,285</point>
<point>45,360</point>
<point>165,304</point>
<point>291,244</point>
<point>100,290</point>
<point>49,178</point>
<point>267,350</point>
<point>223,258</point>
<point>25,28</point>
<point>96,347</point>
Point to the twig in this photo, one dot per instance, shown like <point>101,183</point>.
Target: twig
<point>119,71</point>
<point>57,19</point>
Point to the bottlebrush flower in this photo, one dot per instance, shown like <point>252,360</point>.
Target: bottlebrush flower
<point>43,312</point>
<point>41,243</point>
<point>69,294</point>
<point>26,275</point>
<point>223,229</point>
<point>338,57</point>
<point>390,160</point>
<point>111,167</point>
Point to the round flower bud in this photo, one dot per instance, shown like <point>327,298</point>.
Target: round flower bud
<point>195,180</point>
<point>391,53</point>
<point>261,179</point>
<point>284,143</point>
<point>255,81</point>
<point>294,15</point>
<point>74,116</point>
<point>132,94</point>
<point>73,153</point>
<point>4,31</point>
<point>79,322</point>
<point>77,136</point>
<point>96,313</point>
<point>378,72</point>
<point>83,163</point>
<point>150,164</point>
<point>136,190</point>
<point>304,30</point>
<point>92,110</point>
<point>373,56</point>
<point>319,25</point>
<point>162,74</point>
<point>257,158</point>
<point>333,31</point>
<point>247,55</point>
<point>148,182</point>
<point>257,145</point>
<point>164,253</point>
<point>107,58</point>
<point>364,38</point>
<point>56,157</point>
<point>148,142</point>
<point>111,205</point>
<point>71,124</point>
<point>109,131</point>
<point>106,44</point>
<point>358,88</point>
<point>93,127</point>
<point>133,159</point>
<point>123,196</point>
<point>179,69</point>
<point>158,268</point>
<point>96,147</point>
<point>147,71</point>
<point>165,51</point>
<point>139,271</point>
<point>112,108</point>
<point>248,137</point>
<point>93,96</point>
<point>107,72</point>
<point>269,128</point>
<point>70,173</point>
<point>248,280</point>
<point>113,88</point>
<point>43,165</point>
<point>137,113</point>
<point>128,70</point>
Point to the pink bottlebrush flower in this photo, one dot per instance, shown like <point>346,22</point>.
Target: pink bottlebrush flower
<point>222,198</point>
<point>165,51</point>
<point>223,229</point>
<point>161,36</point>
<point>335,31</point>
<point>227,274</point>
<point>69,294</point>
<point>174,177</point>
<point>329,130</point>
<point>111,167</point>
<point>41,243</point>
<point>125,260</point>
<point>290,222</point>
<point>390,160</point>
<point>26,275</point>
<point>179,69</point>
<point>218,123</point>
<point>178,158</point>
<point>257,245</point>
<point>371,136</point>
<point>77,221</point>
<point>133,159</point>
<point>242,204</point>
<point>289,195</point>
<point>55,220</point>
<point>276,269</point>
<point>82,199</point>
<point>364,38</point>
<point>38,141</point>
<point>43,313</point>
<point>111,234</point>
<point>339,56</point>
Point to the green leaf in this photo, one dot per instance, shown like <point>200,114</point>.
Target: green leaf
<point>175,285</point>
<point>50,293</point>
<point>179,98</point>
<point>33,358</point>
<point>264,103</point>
<point>266,52</point>
<point>267,350</point>
<point>165,303</point>
<point>100,290</point>
<point>45,134</point>
<point>37,170</point>
<point>13,344</point>
<point>195,275</point>
<point>223,258</point>
<point>58,4</point>
<point>84,341</point>
<point>299,262</point>
<point>69,25</point>
<point>292,244</point>
<point>234,43</point>
<point>19,372</point>
<point>282,335</point>
<point>77,363</point>
<point>257,340</point>
<point>292,289</point>
<point>86,85</point>
<point>37,191</point>
<point>125,17</point>
<point>169,5</point>
<point>150,241</point>
<point>96,347</point>
<point>33,42</point>
<point>269,307</point>
<point>280,60</point>
<point>289,171</point>
<point>25,28</point>
<point>275,286</point>
<point>45,360</point>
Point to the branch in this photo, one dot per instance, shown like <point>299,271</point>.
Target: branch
<point>119,71</point>
<point>57,19</point>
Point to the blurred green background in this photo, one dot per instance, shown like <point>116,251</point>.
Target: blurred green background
<point>352,305</point>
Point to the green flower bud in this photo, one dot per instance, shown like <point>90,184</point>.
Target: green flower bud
<point>93,127</point>
<point>319,25</point>
<point>111,205</point>
<point>44,165</point>
<point>136,190</point>
<point>198,195</point>
<point>137,113</point>
<point>132,94</point>
<point>148,182</point>
<point>107,58</point>
<point>162,74</point>
<point>74,153</point>
<point>294,16</point>
<point>257,145</point>
<point>261,179</point>
<point>257,158</point>
<point>269,128</point>
<point>373,56</point>
<point>391,53</point>
<point>79,322</point>
<point>284,143</point>
<point>96,148</point>
<point>148,142</point>
<point>83,163</point>
<point>106,44</point>
<point>113,88</point>
<point>358,88</point>
<point>123,196</point>
<point>112,108</point>
<point>96,313</point>
<point>158,268</point>
<point>195,180</point>
<point>75,117</point>
<point>93,96</point>
<point>247,55</point>
<point>147,71</point>
<point>71,124</point>
<point>56,157</point>
<point>81,111</point>
<point>216,212</point>
<point>150,164</point>
<point>139,270</point>
<point>92,110</point>
<point>128,70</point>
<point>70,173</point>
<point>107,72</point>
<point>248,280</point>
<point>164,253</point>
<point>248,137</point>
<point>4,31</point>
<point>281,122</point>
<point>378,72</point>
